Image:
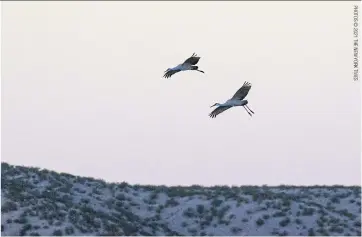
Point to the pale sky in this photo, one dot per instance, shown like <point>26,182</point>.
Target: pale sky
<point>83,93</point>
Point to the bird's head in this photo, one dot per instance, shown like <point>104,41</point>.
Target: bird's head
<point>216,104</point>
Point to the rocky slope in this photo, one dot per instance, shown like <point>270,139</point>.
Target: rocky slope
<point>42,202</point>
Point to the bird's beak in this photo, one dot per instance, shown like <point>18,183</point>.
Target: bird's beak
<point>212,105</point>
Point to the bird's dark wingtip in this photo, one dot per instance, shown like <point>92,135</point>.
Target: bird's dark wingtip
<point>246,83</point>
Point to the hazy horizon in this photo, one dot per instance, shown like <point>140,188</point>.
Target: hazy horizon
<point>83,93</point>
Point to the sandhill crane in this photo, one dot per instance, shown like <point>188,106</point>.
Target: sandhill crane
<point>236,100</point>
<point>187,65</point>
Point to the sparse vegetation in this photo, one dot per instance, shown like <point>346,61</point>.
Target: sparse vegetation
<point>24,229</point>
<point>41,201</point>
<point>9,206</point>
<point>279,214</point>
<point>260,222</point>
<point>311,232</point>
<point>200,209</point>
<point>57,233</point>
<point>171,202</point>
<point>284,222</point>
<point>308,211</point>
<point>189,213</point>
<point>235,230</point>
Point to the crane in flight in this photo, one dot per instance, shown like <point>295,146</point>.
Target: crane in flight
<point>236,100</point>
<point>189,64</point>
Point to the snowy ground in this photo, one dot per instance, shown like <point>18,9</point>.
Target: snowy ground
<point>42,202</point>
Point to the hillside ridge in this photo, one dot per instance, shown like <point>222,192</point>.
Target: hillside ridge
<point>42,202</point>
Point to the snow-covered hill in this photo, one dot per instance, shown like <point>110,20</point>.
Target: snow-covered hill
<point>42,202</point>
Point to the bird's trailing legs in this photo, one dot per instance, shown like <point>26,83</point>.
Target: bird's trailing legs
<point>247,110</point>
<point>196,68</point>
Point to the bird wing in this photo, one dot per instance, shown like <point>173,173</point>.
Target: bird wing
<point>218,110</point>
<point>170,72</point>
<point>242,92</point>
<point>192,60</point>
